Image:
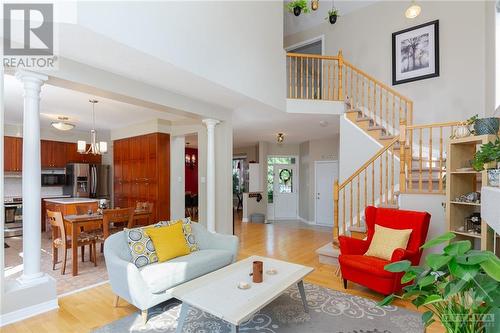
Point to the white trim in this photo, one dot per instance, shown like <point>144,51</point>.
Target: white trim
<point>244,220</point>
<point>83,289</point>
<point>307,42</point>
<point>27,312</point>
<point>316,191</point>
<point>306,221</point>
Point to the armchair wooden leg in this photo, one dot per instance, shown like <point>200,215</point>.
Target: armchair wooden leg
<point>115,303</point>
<point>144,316</point>
<point>345,283</point>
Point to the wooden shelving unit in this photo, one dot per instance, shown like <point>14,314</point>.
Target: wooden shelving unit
<point>460,152</point>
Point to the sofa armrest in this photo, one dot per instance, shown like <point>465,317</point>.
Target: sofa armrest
<point>208,240</point>
<point>349,245</point>
<point>402,254</point>
<point>124,277</point>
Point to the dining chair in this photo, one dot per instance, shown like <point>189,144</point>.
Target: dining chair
<point>114,220</point>
<point>60,239</point>
<point>144,206</point>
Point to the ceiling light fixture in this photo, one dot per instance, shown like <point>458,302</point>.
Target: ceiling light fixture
<point>280,137</point>
<point>413,11</point>
<point>95,147</point>
<point>62,124</point>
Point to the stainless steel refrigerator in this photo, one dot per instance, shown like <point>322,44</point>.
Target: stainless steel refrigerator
<point>88,181</point>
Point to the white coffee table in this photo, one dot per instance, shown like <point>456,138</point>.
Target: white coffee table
<point>217,293</point>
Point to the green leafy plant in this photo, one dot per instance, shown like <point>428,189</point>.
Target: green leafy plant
<point>302,4</point>
<point>489,152</point>
<point>472,120</point>
<point>331,12</point>
<point>460,286</point>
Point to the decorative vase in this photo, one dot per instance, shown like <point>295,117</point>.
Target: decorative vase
<point>258,269</point>
<point>296,11</point>
<point>332,19</point>
<point>484,126</point>
<point>494,177</point>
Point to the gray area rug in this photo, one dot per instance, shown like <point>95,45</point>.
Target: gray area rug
<point>330,311</point>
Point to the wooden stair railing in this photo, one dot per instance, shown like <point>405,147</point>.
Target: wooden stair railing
<point>425,157</point>
<point>374,182</point>
<point>332,78</point>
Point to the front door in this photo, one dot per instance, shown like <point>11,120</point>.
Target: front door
<point>285,191</point>
<point>326,172</point>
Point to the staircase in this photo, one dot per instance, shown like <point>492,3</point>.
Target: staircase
<point>412,158</point>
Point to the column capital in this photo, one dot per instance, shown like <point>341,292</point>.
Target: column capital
<point>27,76</point>
<point>210,123</point>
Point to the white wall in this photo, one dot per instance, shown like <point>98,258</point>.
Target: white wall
<point>237,44</point>
<point>457,93</point>
<point>177,176</point>
<point>251,152</point>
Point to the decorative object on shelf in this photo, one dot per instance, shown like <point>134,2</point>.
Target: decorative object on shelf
<point>62,124</point>
<point>457,284</point>
<point>190,160</point>
<point>96,148</point>
<point>483,126</point>
<point>415,53</point>
<point>298,6</point>
<point>314,4</point>
<point>472,224</point>
<point>472,197</point>
<point>258,268</point>
<point>487,153</point>
<point>333,14</point>
<point>280,137</point>
<point>464,129</point>
<point>413,10</point>
<point>494,177</point>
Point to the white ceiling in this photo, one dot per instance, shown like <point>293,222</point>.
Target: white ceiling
<point>56,101</point>
<point>294,24</point>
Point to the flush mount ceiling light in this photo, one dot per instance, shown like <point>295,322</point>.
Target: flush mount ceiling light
<point>96,148</point>
<point>62,124</point>
<point>280,137</point>
<point>413,11</point>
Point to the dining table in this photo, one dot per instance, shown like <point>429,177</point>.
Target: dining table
<point>75,223</point>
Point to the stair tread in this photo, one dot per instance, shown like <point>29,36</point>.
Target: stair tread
<point>387,137</point>
<point>375,128</point>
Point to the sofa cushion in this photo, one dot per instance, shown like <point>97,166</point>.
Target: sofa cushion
<point>162,276</point>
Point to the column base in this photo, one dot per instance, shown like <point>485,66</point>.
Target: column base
<point>33,279</point>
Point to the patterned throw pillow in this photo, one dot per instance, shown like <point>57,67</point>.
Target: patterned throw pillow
<point>188,232</point>
<point>141,246</point>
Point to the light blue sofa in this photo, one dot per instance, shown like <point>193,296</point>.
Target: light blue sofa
<point>148,286</point>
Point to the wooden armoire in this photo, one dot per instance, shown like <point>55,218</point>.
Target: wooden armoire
<point>142,173</point>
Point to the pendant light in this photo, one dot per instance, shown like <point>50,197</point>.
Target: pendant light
<point>62,124</point>
<point>413,11</point>
<point>95,147</point>
<point>280,137</point>
<point>314,4</point>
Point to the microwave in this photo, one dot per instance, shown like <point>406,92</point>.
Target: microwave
<point>54,177</point>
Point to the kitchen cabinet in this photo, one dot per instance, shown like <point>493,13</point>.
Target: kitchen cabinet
<point>53,154</point>
<point>142,173</point>
<point>13,154</point>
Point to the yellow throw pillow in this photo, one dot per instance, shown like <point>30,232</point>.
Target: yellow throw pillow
<point>169,241</point>
<point>386,240</point>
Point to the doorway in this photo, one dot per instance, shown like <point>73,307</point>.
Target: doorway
<point>326,172</point>
<point>191,177</point>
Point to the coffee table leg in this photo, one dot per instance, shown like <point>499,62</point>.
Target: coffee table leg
<point>235,329</point>
<point>182,317</point>
<point>300,284</point>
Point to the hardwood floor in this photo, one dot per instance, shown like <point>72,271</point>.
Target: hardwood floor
<point>92,308</point>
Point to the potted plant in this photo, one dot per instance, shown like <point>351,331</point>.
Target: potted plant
<point>459,286</point>
<point>464,129</point>
<point>332,15</point>
<point>484,126</point>
<point>298,6</point>
<point>489,155</point>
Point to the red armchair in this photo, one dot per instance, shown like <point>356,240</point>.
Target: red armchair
<point>369,271</point>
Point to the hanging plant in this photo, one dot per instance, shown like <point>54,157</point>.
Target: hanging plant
<point>298,6</point>
<point>332,15</point>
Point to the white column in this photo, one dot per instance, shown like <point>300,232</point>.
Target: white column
<point>32,83</point>
<point>210,123</point>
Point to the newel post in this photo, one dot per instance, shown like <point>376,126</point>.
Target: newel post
<point>341,66</point>
<point>402,157</point>
<point>336,213</point>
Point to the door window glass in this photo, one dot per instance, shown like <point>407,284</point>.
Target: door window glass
<point>285,180</point>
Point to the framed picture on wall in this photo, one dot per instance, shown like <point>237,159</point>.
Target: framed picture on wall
<point>415,53</point>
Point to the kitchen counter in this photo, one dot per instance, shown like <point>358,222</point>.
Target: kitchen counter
<point>71,201</point>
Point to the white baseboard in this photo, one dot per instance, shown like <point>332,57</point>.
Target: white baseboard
<point>30,311</point>
<point>84,288</point>
<point>306,221</point>
<point>244,220</point>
